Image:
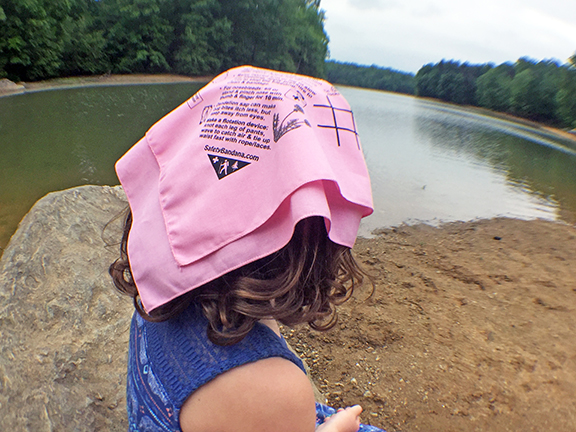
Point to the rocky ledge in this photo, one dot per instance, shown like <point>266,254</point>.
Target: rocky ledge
<point>63,328</point>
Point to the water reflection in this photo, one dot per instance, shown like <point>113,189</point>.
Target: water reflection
<point>432,162</point>
<point>428,162</point>
<point>53,140</point>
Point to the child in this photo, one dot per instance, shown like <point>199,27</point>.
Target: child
<point>244,204</point>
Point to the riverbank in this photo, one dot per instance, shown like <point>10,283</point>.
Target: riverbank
<point>470,328</point>
<point>569,135</point>
<point>9,88</point>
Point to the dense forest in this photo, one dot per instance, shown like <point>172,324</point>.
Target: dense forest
<point>370,77</point>
<point>48,38</point>
<point>542,91</point>
<point>51,38</point>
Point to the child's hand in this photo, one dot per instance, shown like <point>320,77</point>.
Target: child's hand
<point>345,420</point>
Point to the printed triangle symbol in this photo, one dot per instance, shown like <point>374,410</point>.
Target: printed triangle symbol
<point>224,166</point>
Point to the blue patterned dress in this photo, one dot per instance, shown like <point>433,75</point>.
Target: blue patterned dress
<point>168,361</point>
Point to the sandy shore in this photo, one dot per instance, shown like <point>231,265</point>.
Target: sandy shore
<point>470,328</point>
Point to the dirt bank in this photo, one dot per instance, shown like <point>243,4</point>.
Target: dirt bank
<point>470,328</point>
<point>98,80</point>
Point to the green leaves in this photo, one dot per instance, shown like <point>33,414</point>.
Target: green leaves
<point>542,91</point>
<point>45,38</point>
<point>493,88</point>
<point>566,98</point>
<point>370,77</point>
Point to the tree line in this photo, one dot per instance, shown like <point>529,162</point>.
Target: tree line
<point>373,77</point>
<point>49,38</point>
<point>543,91</point>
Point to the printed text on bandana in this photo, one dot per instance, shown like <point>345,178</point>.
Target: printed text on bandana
<point>237,122</point>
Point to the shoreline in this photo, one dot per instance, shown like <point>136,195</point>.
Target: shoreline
<point>469,327</point>
<point>8,88</point>
<point>562,133</point>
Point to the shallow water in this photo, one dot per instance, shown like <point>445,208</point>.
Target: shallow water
<point>428,161</point>
<point>57,139</point>
<point>432,162</point>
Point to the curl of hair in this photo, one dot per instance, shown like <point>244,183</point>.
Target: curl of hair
<point>300,283</point>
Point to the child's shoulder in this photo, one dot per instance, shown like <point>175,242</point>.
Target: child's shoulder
<point>269,394</point>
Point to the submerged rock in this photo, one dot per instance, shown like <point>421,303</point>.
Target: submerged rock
<point>64,330</point>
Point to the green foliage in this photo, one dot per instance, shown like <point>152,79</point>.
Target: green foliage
<point>284,35</point>
<point>308,43</point>
<point>449,81</point>
<point>523,93</point>
<point>84,45</point>
<point>370,77</point>
<point>533,90</point>
<point>541,91</point>
<point>202,37</point>
<point>566,97</point>
<point>46,38</point>
<point>493,88</point>
<point>31,47</point>
<point>137,35</point>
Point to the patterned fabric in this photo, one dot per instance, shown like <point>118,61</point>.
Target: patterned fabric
<point>168,361</point>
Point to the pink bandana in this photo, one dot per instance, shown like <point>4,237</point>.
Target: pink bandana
<point>223,179</point>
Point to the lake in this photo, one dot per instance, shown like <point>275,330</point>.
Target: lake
<point>429,162</point>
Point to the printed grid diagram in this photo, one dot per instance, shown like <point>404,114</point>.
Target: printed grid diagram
<point>337,125</point>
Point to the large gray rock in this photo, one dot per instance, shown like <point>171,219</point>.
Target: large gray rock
<point>63,329</point>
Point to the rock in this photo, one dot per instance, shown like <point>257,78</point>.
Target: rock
<point>63,328</point>
<point>9,87</point>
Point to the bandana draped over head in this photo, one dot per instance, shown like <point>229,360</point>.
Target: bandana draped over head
<point>223,179</point>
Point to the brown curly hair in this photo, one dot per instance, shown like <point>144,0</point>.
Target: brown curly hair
<point>300,283</point>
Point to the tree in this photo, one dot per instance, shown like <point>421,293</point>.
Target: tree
<point>534,89</point>
<point>427,79</point>
<point>523,94</point>
<point>493,88</point>
<point>284,35</point>
<point>137,35</point>
<point>566,98</point>
<point>30,46</point>
<point>307,40</point>
<point>449,81</point>
<point>83,42</point>
<point>370,77</point>
<point>450,87</point>
<point>46,38</point>
<point>202,37</point>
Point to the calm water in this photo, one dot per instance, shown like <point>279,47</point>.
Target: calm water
<point>432,162</point>
<point>428,161</point>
